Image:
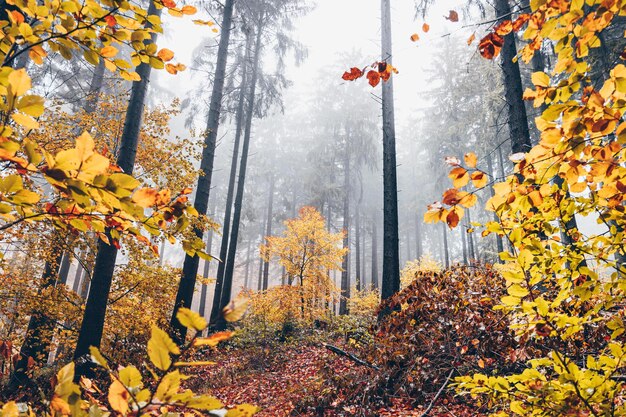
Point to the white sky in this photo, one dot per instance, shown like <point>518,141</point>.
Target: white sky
<point>333,28</point>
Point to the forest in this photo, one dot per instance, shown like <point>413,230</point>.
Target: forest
<point>312,208</point>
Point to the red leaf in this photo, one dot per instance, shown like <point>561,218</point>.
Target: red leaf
<point>353,74</point>
<point>453,16</point>
<point>110,19</point>
<point>373,77</point>
<point>491,45</point>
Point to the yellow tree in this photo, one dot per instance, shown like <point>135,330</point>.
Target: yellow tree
<point>308,251</point>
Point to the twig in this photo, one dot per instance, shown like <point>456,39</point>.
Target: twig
<point>350,356</point>
<point>432,403</point>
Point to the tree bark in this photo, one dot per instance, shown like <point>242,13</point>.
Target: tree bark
<point>446,254</point>
<point>499,243</point>
<point>357,249</point>
<point>345,265</point>
<point>187,284</point>
<point>216,316</point>
<point>518,122</point>
<point>464,243</point>
<point>38,334</point>
<point>239,120</point>
<point>268,229</point>
<point>205,274</point>
<point>391,261</point>
<point>374,279</point>
<point>95,309</point>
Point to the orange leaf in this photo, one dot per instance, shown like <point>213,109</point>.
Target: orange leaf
<point>459,177</point>
<point>425,27</point>
<point>108,51</point>
<point>504,28</point>
<point>415,37</point>
<point>373,77</point>
<point>165,54</point>
<point>145,197</point>
<point>491,45</point>
<point>471,39</point>
<point>520,21</point>
<point>189,10</point>
<point>17,16</point>
<point>353,74</point>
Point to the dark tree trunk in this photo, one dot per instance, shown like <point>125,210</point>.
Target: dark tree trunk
<point>345,265</point>
<point>268,229</point>
<point>374,281</point>
<point>391,261</point>
<point>224,298</point>
<point>38,334</point>
<point>518,122</point>
<point>490,171</point>
<point>446,253</point>
<point>95,309</point>
<point>470,239</point>
<point>65,267</point>
<point>231,187</point>
<point>357,249</point>
<point>247,275</point>
<point>205,274</point>
<point>190,265</point>
<point>464,243</point>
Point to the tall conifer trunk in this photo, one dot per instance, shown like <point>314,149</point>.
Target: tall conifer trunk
<point>95,309</point>
<point>220,302</point>
<point>345,265</point>
<point>226,227</point>
<point>391,259</point>
<point>268,229</point>
<point>203,188</point>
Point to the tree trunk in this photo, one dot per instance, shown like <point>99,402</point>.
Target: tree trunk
<point>231,186</point>
<point>357,249</point>
<point>205,274</point>
<point>374,281</point>
<point>259,282</point>
<point>464,244</point>
<point>391,261</point>
<point>216,317</point>
<point>247,275</point>
<point>268,229</point>
<point>38,334</point>
<point>345,265</point>
<point>65,267</point>
<point>518,122</point>
<point>187,284</point>
<point>470,239</point>
<point>446,254</point>
<point>95,309</point>
<point>499,243</point>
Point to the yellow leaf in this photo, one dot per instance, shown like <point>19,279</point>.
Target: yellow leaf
<point>479,179</point>
<point>541,79</point>
<point>160,346</point>
<point>517,290</point>
<point>25,121</point>
<point>97,357</point>
<point>243,410</point>
<point>118,397</point>
<point>31,105</point>
<point>191,319</point>
<point>235,309</point>
<point>188,10</point>
<point>470,159</point>
<point>19,82</point>
<point>10,409</point>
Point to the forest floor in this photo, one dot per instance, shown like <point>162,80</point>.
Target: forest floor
<point>280,380</point>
